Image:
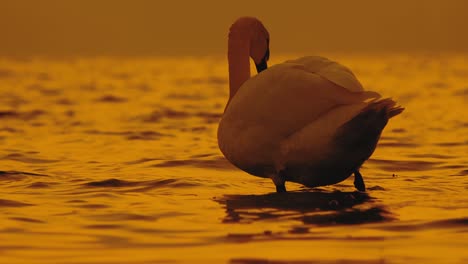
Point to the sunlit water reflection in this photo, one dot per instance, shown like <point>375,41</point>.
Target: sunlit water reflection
<point>112,160</point>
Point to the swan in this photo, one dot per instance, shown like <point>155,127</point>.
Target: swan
<point>306,120</point>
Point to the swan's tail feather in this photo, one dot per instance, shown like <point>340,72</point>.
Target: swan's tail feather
<point>361,134</point>
<point>387,106</point>
<point>395,111</point>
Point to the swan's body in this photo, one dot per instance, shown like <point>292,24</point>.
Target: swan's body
<point>307,120</point>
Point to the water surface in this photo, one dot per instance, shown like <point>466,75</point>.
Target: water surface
<point>112,160</point>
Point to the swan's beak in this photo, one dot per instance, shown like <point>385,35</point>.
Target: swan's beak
<point>263,63</point>
<point>261,66</point>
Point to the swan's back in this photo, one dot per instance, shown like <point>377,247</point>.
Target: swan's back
<point>330,70</point>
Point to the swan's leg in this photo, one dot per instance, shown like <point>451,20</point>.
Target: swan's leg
<point>359,181</point>
<point>279,182</point>
<point>281,188</point>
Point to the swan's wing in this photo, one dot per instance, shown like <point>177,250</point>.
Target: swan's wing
<point>286,97</point>
<point>346,134</point>
<point>331,71</point>
<point>314,142</point>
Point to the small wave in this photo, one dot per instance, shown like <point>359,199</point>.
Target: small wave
<point>111,99</point>
<point>438,224</point>
<point>11,203</point>
<point>93,206</point>
<point>130,135</point>
<point>376,188</point>
<point>398,130</point>
<point>25,159</point>
<point>43,76</point>
<point>209,117</point>
<point>111,133</point>
<point>103,226</point>
<point>121,76</point>
<point>451,166</point>
<point>140,161</point>
<point>322,261</point>
<point>406,165</point>
<point>446,223</point>
<point>45,90</point>
<point>26,116</point>
<point>76,201</point>
<point>451,144</point>
<point>462,173</point>
<point>11,130</point>
<point>350,217</point>
<point>156,116</point>
<point>205,155</point>
<point>39,185</point>
<point>140,185</point>
<point>64,101</point>
<point>6,73</point>
<point>431,155</point>
<point>111,183</point>
<point>145,135</point>
<point>91,86</point>
<point>217,163</point>
<point>461,92</point>
<point>207,80</point>
<point>398,144</point>
<point>27,219</point>
<point>184,96</point>
<point>438,85</point>
<point>117,217</point>
<point>17,175</point>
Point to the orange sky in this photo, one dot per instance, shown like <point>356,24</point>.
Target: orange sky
<point>151,27</point>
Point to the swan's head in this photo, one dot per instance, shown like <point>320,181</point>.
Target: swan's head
<point>251,31</point>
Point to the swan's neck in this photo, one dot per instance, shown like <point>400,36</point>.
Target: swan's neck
<point>239,63</point>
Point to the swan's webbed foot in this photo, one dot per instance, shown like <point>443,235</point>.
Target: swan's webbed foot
<point>359,181</point>
<point>279,181</point>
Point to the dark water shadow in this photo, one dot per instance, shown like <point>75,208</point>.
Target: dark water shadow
<point>316,208</point>
<point>318,261</point>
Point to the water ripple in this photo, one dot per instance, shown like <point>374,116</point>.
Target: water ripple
<point>140,185</point>
<point>217,163</point>
<point>405,165</point>
<point>111,99</point>
<point>130,135</point>
<point>17,175</point>
<point>168,113</point>
<point>25,159</point>
<point>11,203</point>
<point>26,116</point>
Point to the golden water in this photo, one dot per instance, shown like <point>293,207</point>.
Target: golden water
<point>112,160</point>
